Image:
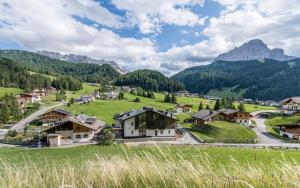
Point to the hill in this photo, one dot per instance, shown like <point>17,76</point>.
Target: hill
<point>259,79</point>
<point>149,80</point>
<point>46,65</point>
<point>14,75</point>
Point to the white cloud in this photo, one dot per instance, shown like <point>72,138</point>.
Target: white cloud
<point>149,15</point>
<point>50,25</point>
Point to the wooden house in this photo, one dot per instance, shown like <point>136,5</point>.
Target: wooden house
<point>290,131</point>
<point>205,116</point>
<point>292,104</point>
<point>25,98</point>
<point>146,122</point>
<point>183,108</point>
<point>54,116</point>
<point>72,131</point>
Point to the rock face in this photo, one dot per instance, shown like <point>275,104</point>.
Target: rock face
<point>82,59</point>
<point>254,50</point>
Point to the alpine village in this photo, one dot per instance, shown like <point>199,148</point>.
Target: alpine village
<point>72,119</point>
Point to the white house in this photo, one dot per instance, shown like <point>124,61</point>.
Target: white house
<point>146,122</point>
<point>292,104</point>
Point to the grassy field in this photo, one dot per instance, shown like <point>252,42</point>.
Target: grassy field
<point>223,131</point>
<point>9,90</point>
<point>46,75</point>
<point>225,92</point>
<point>105,109</point>
<point>117,166</point>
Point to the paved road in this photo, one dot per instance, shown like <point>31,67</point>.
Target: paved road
<point>261,130</point>
<point>19,126</point>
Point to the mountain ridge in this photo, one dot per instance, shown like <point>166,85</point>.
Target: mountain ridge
<point>74,58</point>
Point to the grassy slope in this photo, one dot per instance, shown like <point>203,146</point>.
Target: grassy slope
<point>225,92</point>
<point>273,123</point>
<point>80,154</point>
<point>8,90</point>
<point>223,131</point>
<point>105,109</point>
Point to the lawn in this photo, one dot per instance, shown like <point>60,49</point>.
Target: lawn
<point>226,92</point>
<point>86,89</point>
<point>9,90</point>
<point>223,132</point>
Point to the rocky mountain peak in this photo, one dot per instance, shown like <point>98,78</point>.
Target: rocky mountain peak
<point>81,59</point>
<point>252,50</point>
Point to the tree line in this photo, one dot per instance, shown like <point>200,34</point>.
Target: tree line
<point>149,80</point>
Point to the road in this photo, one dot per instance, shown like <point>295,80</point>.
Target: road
<point>19,126</point>
<point>261,130</point>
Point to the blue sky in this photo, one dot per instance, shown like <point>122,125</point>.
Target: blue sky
<point>167,35</point>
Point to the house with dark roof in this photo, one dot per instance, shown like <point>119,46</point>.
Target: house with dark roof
<point>204,117</point>
<point>73,131</point>
<point>146,122</point>
<point>291,104</point>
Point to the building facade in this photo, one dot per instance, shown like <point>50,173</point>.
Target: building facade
<point>292,104</point>
<point>146,122</point>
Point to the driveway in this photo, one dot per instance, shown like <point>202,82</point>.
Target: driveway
<point>19,126</point>
<point>261,130</point>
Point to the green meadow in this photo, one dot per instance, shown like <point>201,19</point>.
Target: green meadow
<point>9,90</point>
<point>223,132</point>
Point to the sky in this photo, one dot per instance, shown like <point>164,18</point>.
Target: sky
<point>164,35</point>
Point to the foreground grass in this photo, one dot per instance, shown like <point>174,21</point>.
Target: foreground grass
<point>224,132</point>
<point>151,167</point>
<point>9,90</point>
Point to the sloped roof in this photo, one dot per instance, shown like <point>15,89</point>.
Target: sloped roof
<point>296,99</point>
<point>95,126</point>
<point>62,111</point>
<point>205,114</point>
<point>227,111</point>
<point>130,114</point>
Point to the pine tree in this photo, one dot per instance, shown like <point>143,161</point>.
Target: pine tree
<point>217,105</point>
<point>173,99</point>
<point>200,106</point>
<point>121,96</point>
<point>207,107</point>
<point>241,107</point>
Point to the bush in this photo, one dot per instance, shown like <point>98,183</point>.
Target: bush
<point>107,138</point>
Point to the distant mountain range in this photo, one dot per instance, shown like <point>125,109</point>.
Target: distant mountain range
<point>82,59</point>
<point>254,50</point>
<point>253,68</point>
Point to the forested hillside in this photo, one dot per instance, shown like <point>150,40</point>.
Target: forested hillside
<point>14,75</point>
<point>42,64</point>
<point>149,80</point>
<point>265,79</point>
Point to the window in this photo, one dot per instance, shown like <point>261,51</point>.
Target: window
<point>131,132</point>
<point>161,132</point>
<point>131,123</point>
<point>85,136</point>
<point>169,132</point>
<point>78,136</point>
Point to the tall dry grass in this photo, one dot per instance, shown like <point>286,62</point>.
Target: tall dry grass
<point>161,169</point>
